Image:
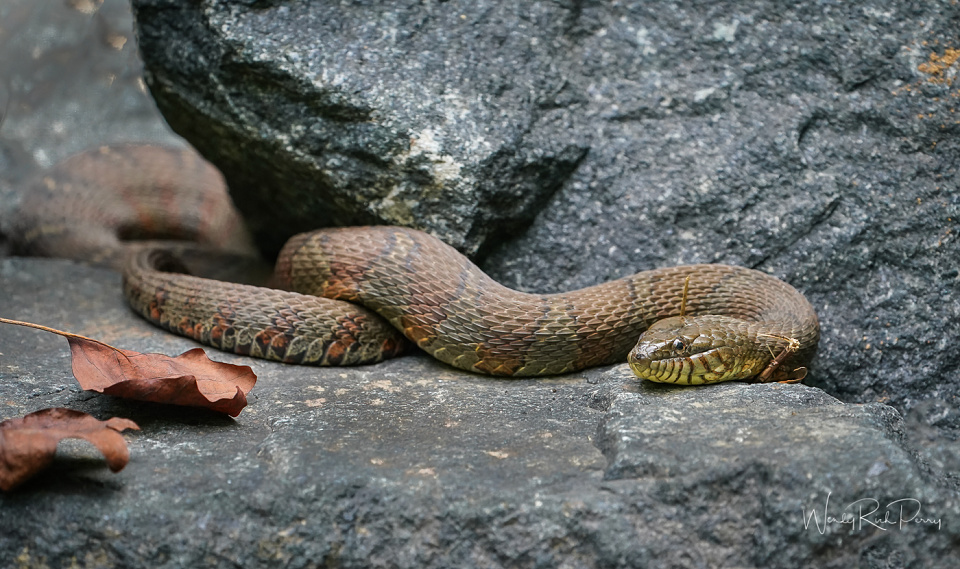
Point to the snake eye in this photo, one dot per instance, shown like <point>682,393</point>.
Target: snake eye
<point>679,345</point>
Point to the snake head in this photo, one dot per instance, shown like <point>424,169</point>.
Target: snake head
<point>696,350</point>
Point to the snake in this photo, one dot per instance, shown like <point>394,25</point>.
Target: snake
<point>359,295</point>
<point>92,204</point>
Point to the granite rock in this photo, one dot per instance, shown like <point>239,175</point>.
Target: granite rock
<point>817,141</point>
<point>319,115</point>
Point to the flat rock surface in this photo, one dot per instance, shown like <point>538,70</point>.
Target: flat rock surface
<point>412,464</point>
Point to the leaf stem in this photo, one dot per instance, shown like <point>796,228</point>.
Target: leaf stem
<point>55,331</point>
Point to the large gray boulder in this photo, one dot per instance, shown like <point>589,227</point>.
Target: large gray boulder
<point>814,141</point>
<point>319,115</point>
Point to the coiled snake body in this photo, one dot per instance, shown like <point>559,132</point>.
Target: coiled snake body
<point>736,323</point>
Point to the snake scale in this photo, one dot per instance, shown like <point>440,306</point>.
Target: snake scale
<point>357,295</point>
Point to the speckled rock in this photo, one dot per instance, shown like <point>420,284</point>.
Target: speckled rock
<point>319,115</point>
<point>815,141</point>
<point>72,80</point>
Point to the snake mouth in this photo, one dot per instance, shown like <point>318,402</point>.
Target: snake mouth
<point>709,366</point>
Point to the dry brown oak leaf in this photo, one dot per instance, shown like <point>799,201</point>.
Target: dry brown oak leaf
<point>190,379</point>
<point>28,444</point>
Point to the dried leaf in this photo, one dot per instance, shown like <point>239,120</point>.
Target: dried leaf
<point>28,444</point>
<point>190,379</point>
